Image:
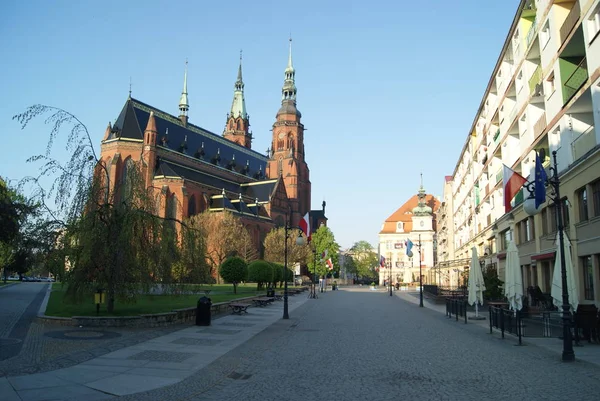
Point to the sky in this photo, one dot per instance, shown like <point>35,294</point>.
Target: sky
<point>387,89</point>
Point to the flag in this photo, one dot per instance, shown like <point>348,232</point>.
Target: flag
<point>512,182</point>
<point>305,226</point>
<point>323,255</point>
<point>382,261</point>
<point>540,182</point>
<point>409,245</point>
<point>330,264</point>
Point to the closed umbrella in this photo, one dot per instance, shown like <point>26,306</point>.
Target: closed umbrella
<point>476,285</point>
<point>557,276</point>
<point>513,282</point>
<point>407,276</point>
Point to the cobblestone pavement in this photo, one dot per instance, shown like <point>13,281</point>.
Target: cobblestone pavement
<point>362,345</point>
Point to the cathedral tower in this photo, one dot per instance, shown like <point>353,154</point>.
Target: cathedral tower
<point>287,148</point>
<point>238,121</point>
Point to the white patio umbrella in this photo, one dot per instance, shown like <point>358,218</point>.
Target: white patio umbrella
<point>557,276</point>
<point>476,285</point>
<point>408,278</point>
<point>513,280</point>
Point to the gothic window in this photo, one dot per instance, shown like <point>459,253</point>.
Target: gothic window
<point>171,210</point>
<point>191,206</point>
<point>280,166</point>
<point>126,181</point>
<point>157,203</point>
<point>238,125</point>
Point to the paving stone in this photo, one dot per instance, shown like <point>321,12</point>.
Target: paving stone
<point>161,356</point>
<point>230,324</point>
<point>218,331</point>
<point>127,384</point>
<point>196,341</point>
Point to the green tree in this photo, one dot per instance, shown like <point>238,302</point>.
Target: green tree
<point>350,266</point>
<point>260,272</point>
<point>275,247</point>
<point>323,240</point>
<point>365,259</point>
<point>234,270</point>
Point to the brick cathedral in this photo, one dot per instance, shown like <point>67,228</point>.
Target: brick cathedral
<point>193,170</point>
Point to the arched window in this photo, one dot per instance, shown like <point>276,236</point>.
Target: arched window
<point>238,125</point>
<point>126,183</point>
<point>280,166</point>
<point>191,206</point>
<point>171,210</point>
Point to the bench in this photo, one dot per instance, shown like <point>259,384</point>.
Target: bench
<point>238,308</point>
<point>278,297</point>
<point>263,301</point>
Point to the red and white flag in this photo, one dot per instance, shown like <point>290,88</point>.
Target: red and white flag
<point>323,255</point>
<point>330,264</point>
<point>512,182</point>
<point>305,226</point>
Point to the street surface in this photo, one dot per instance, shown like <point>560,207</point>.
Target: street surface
<point>20,305</point>
<point>356,344</point>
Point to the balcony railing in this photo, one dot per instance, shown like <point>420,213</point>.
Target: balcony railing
<point>570,22</point>
<point>583,143</point>
<point>497,136</point>
<point>539,126</point>
<point>575,80</point>
<point>499,175</point>
<point>532,32</point>
<point>536,78</point>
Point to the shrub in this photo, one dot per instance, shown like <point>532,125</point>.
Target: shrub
<point>234,270</point>
<point>260,272</point>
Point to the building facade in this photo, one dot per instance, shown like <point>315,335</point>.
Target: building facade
<point>192,170</point>
<point>414,220</point>
<point>544,97</point>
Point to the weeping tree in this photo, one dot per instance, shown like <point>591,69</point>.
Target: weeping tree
<point>108,234</point>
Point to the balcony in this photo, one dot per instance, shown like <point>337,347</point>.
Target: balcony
<point>539,126</point>
<point>535,79</point>
<point>575,81</point>
<point>532,32</point>
<point>569,23</point>
<point>499,175</point>
<point>497,136</point>
<point>583,143</point>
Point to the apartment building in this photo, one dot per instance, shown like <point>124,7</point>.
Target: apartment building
<point>543,96</point>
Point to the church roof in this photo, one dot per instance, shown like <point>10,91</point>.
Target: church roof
<point>188,139</point>
<point>404,214</point>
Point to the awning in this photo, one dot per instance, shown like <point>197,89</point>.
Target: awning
<point>544,256</point>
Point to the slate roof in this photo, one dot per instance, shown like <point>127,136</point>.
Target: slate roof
<point>190,139</point>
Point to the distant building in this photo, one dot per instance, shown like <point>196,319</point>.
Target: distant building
<point>414,220</point>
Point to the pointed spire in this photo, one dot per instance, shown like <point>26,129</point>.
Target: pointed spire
<point>107,132</point>
<point>151,126</point>
<point>238,106</point>
<point>183,101</point>
<point>290,66</point>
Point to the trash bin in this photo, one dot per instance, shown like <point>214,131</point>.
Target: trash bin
<point>270,292</point>
<point>203,313</point>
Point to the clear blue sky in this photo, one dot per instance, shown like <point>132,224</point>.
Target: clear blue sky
<point>387,89</point>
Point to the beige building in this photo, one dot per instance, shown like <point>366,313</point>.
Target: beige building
<point>543,96</point>
<point>415,220</point>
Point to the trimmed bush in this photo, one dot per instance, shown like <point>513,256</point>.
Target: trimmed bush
<point>261,272</point>
<point>234,270</point>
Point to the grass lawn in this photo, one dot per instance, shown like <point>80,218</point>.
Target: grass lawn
<point>58,306</point>
<point>8,282</point>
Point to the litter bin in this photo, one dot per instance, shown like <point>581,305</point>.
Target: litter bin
<point>270,292</point>
<point>203,313</point>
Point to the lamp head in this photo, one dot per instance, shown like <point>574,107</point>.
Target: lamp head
<point>529,206</point>
<point>300,240</point>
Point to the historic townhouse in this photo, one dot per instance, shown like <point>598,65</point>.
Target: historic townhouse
<point>192,169</point>
<point>543,96</point>
<point>414,220</point>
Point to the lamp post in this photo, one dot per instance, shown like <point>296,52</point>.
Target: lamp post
<point>299,241</point>
<point>313,291</point>
<point>390,279</point>
<point>530,208</point>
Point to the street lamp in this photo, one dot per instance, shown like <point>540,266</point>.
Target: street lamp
<point>313,291</point>
<point>530,208</point>
<point>420,274</point>
<point>390,279</point>
<point>299,241</point>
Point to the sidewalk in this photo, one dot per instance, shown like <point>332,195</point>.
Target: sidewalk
<point>159,362</point>
<point>585,352</point>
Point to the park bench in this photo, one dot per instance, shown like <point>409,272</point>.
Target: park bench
<point>238,308</point>
<point>278,297</point>
<point>263,301</point>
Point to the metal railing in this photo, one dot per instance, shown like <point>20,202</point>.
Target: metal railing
<point>583,143</point>
<point>456,307</point>
<point>539,126</point>
<point>575,80</point>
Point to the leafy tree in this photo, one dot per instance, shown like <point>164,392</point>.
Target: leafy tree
<point>224,236</point>
<point>277,274</point>
<point>234,270</point>
<point>365,259</point>
<point>323,240</point>
<point>108,238</point>
<point>275,247</point>
<point>260,272</point>
<point>193,264</point>
<point>350,266</point>
<point>493,285</point>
